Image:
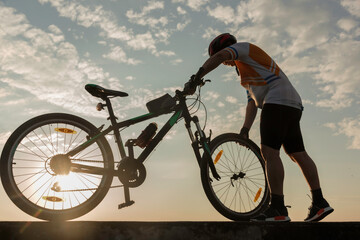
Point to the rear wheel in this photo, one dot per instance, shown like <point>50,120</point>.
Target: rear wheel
<point>242,191</point>
<point>38,176</point>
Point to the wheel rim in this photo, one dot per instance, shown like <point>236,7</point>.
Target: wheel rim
<point>34,176</point>
<point>242,188</point>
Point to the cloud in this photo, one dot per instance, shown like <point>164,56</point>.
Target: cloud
<point>230,76</point>
<point>143,41</point>
<point>180,10</point>
<point>337,74</point>
<point>143,19</point>
<point>220,104</point>
<point>302,43</point>
<point>225,14</point>
<point>130,78</point>
<point>88,17</point>
<point>211,96</point>
<point>347,24</point>
<point>176,61</point>
<point>229,14</point>
<point>4,137</point>
<point>352,6</point>
<point>211,33</point>
<point>43,64</point>
<point>195,5</point>
<point>349,127</point>
<point>231,99</point>
<point>12,26</point>
<point>3,93</point>
<point>118,54</point>
<point>106,21</point>
<point>181,26</point>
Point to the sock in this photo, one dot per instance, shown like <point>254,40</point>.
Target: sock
<point>317,196</point>
<point>277,201</point>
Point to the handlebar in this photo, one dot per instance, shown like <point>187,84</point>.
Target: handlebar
<point>190,86</point>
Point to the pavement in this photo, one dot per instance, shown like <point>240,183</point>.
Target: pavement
<point>178,230</point>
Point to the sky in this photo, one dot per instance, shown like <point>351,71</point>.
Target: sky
<point>49,50</point>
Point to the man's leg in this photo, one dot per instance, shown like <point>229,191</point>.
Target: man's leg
<point>272,131</point>
<point>308,168</point>
<point>320,208</point>
<point>275,178</point>
<point>274,169</point>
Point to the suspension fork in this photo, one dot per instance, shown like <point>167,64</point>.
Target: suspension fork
<point>203,142</point>
<point>206,147</point>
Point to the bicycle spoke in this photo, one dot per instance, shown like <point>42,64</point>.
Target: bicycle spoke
<point>26,174</point>
<point>242,177</point>
<point>46,189</point>
<point>27,160</point>
<point>39,177</point>
<point>44,144</point>
<point>78,176</point>
<point>48,136</point>
<point>39,187</point>
<point>46,156</point>
<point>31,152</point>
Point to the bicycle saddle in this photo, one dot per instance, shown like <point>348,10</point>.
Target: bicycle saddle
<point>103,93</point>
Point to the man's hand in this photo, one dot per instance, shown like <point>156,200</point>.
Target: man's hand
<point>244,133</point>
<point>190,86</point>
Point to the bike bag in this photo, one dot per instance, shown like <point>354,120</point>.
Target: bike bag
<point>163,103</point>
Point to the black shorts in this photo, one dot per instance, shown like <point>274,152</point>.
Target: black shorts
<point>280,125</point>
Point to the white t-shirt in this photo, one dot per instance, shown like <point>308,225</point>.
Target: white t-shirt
<point>263,79</point>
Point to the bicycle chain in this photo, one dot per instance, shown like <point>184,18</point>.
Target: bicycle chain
<point>88,189</point>
<point>80,160</point>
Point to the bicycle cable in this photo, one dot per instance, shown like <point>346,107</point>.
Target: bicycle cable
<point>197,103</point>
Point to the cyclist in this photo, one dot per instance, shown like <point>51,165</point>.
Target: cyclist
<point>269,89</point>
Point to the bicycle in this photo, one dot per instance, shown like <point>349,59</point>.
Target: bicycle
<point>59,166</point>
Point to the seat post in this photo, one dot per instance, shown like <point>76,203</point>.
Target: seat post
<point>110,110</point>
<point>112,117</point>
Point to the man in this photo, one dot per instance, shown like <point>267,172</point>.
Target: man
<point>269,89</point>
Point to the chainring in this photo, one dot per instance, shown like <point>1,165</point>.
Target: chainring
<point>131,172</point>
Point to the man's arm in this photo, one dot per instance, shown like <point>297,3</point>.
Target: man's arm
<point>251,111</point>
<point>213,62</point>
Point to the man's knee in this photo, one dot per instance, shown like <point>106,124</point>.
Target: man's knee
<point>298,156</point>
<point>268,152</point>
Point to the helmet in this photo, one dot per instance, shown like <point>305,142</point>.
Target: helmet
<point>222,41</point>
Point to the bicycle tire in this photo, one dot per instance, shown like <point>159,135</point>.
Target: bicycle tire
<point>30,180</point>
<point>240,159</point>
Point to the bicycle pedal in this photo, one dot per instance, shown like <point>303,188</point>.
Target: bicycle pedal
<point>125,204</point>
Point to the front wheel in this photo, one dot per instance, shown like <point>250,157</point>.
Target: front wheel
<point>242,192</point>
<point>38,176</point>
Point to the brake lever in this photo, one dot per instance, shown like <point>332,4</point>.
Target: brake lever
<point>203,82</point>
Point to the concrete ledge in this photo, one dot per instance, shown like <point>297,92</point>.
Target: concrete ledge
<point>178,230</point>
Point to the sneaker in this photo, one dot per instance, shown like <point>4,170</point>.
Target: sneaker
<point>273,214</point>
<point>319,211</point>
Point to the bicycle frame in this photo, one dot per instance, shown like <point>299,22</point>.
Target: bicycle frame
<point>180,110</point>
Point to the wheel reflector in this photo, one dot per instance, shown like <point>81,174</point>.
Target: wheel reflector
<point>257,194</point>
<point>52,199</point>
<point>65,130</point>
<point>218,156</point>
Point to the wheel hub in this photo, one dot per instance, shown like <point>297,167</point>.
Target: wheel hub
<point>235,177</point>
<point>60,164</point>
